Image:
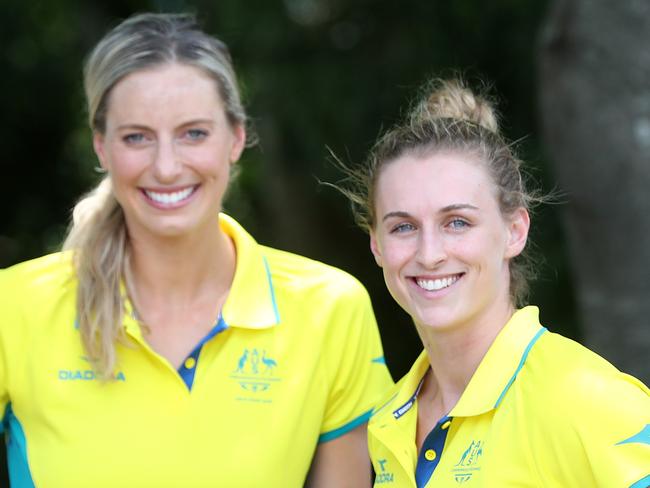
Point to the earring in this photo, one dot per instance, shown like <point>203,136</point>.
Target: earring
<point>100,170</point>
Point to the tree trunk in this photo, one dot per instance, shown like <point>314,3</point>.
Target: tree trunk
<point>595,105</point>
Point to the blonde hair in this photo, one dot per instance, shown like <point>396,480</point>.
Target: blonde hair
<point>449,117</point>
<point>98,239</point>
<point>98,236</point>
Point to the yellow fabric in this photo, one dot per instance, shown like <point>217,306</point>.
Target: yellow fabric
<point>540,411</point>
<point>299,362</point>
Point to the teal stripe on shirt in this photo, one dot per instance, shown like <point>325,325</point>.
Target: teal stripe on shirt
<point>333,434</point>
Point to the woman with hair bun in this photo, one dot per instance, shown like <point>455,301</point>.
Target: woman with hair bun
<point>165,347</point>
<point>495,399</point>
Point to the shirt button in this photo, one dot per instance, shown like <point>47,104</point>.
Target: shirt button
<point>190,363</point>
<point>446,425</point>
<point>430,455</point>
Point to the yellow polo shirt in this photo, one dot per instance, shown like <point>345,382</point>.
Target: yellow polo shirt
<point>295,359</point>
<point>540,411</point>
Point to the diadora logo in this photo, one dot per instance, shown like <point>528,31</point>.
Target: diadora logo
<point>383,475</point>
<point>469,462</point>
<point>86,374</point>
<point>255,370</point>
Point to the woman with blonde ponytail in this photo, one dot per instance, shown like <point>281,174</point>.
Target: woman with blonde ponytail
<point>495,399</point>
<point>165,347</point>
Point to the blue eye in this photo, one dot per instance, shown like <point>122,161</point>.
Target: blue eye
<point>401,228</point>
<point>196,134</point>
<point>458,224</point>
<point>134,138</point>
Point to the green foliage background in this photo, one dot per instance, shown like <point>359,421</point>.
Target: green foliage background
<point>316,74</point>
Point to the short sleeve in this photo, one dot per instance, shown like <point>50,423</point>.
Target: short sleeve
<point>355,362</point>
<point>615,428</point>
<point>609,421</point>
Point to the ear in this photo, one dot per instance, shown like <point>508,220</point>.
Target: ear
<point>238,144</point>
<point>98,146</point>
<point>374,247</point>
<point>518,225</point>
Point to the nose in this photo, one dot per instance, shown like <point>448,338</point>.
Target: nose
<point>167,165</point>
<point>431,250</point>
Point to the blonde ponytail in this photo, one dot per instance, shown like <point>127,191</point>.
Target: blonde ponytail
<point>98,241</point>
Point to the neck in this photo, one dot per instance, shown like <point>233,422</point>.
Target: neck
<point>456,353</point>
<point>181,268</point>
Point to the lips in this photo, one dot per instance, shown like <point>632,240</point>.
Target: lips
<point>437,283</point>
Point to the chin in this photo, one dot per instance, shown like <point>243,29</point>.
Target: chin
<point>439,320</point>
<point>171,230</point>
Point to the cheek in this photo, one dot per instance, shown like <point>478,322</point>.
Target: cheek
<point>125,165</point>
<point>485,251</point>
<point>209,162</point>
<point>489,240</point>
<point>469,250</point>
<point>395,285</point>
<point>395,255</point>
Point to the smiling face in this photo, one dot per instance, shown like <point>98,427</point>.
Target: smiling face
<point>168,147</point>
<point>442,241</point>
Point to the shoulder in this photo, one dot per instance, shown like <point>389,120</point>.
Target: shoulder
<point>37,275</point>
<point>33,292</point>
<point>593,415</point>
<point>581,386</point>
<point>571,367</point>
<point>295,273</point>
<point>48,270</point>
<point>288,271</point>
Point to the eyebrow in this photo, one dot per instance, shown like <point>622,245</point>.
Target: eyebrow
<point>399,214</point>
<point>184,124</point>
<point>443,210</point>
<point>131,127</point>
<point>458,206</point>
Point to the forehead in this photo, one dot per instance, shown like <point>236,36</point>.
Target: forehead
<point>170,86</point>
<point>434,181</point>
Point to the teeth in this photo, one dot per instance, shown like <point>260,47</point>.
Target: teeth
<point>170,198</point>
<point>439,284</point>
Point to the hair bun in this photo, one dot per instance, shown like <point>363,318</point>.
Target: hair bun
<point>452,99</point>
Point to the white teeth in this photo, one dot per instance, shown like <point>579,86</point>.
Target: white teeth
<point>170,198</point>
<point>438,284</point>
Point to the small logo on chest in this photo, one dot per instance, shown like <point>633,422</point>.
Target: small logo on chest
<point>255,371</point>
<point>469,462</point>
